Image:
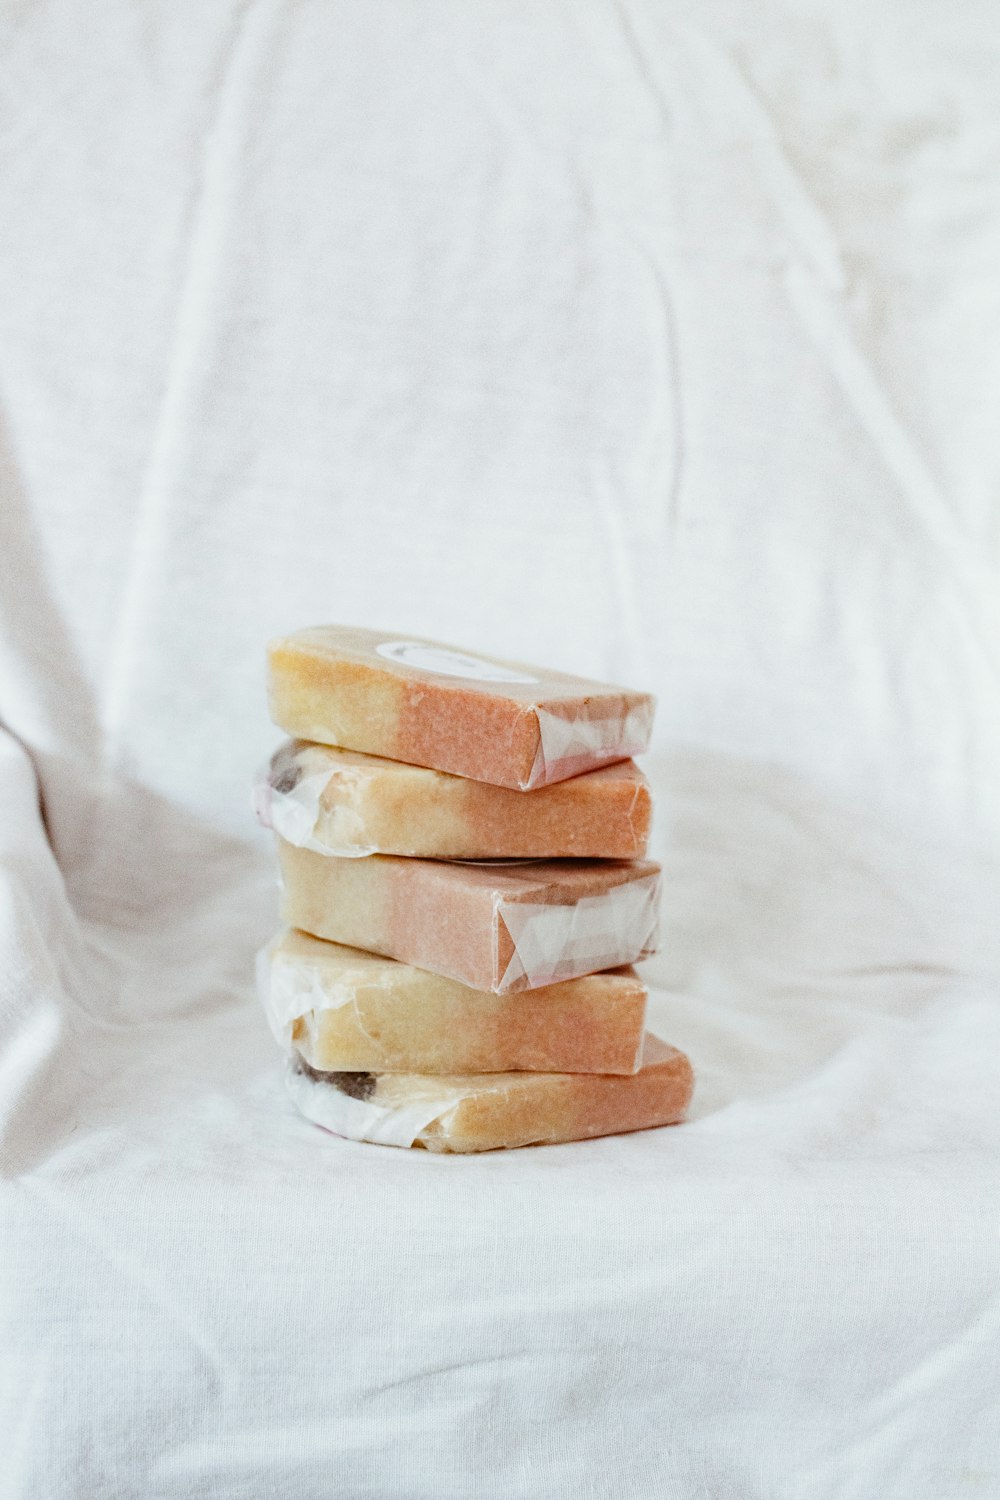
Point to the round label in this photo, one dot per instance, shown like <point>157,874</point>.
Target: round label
<point>448,663</point>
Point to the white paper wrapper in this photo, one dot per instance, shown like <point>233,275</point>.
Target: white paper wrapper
<point>286,798</point>
<point>552,942</point>
<point>289,990</point>
<point>567,747</point>
<point>362,1119</point>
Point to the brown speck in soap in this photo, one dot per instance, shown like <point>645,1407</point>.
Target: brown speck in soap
<point>354,1085</point>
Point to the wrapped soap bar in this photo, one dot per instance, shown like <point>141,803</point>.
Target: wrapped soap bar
<point>486,1112</point>
<point>345,1010</point>
<point>348,803</point>
<point>430,705</point>
<point>502,927</point>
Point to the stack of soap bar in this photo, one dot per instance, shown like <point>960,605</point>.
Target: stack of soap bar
<point>344,1010</point>
<point>430,705</point>
<point>493,1110</point>
<point>348,803</point>
<point>462,847</point>
<point>493,927</point>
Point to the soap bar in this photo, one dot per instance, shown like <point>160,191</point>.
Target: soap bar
<point>344,802</point>
<point>488,1111</point>
<point>431,705</point>
<point>345,1010</point>
<point>501,927</point>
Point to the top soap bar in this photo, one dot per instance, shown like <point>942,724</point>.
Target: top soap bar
<point>431,705</point>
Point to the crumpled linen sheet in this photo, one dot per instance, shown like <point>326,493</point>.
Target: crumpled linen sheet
<point>655,341</point>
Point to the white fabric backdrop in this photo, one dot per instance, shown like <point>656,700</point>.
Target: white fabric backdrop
<point>655,341</point>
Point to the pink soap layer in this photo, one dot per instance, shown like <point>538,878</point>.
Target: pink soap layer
<point>493,927</point>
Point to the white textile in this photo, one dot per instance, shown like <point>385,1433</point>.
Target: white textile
<point>655,341</point>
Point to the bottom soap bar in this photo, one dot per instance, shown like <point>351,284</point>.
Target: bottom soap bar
<point>484,1112</point>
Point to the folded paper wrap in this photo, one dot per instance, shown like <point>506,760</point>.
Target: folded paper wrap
<point>488,1111</point>
<point>345,802</point>
<point>431,705</point>
<point>344,1010</point>
<point>493,927</point>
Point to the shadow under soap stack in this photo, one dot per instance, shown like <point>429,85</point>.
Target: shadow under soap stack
<point>463,877</point>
